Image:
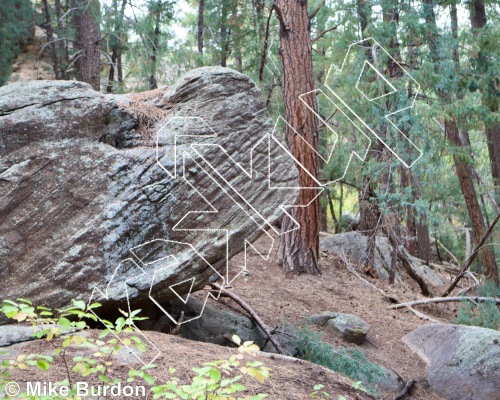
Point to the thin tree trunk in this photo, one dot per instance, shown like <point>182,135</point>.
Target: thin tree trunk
<point>471,200</point>
<point>299,249</point>
<point>492,131</point>
<point>201,25</point>
<point>116,44</point>
<point>236,36</point>
<point>153,83</point>
<point>332,209</point>
<point>265,46</point>
<point>63,48</point>
<point>453,134</point>
<point>224,34</point>
<point>411,227</point>
<point>50,38</point>
<point>111,75</point>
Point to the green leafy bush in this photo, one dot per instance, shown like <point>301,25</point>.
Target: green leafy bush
<point>484,314</point>
<point>216,380</point>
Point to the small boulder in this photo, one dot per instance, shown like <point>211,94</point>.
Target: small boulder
<point>350,327</point>
<point>463,361</point>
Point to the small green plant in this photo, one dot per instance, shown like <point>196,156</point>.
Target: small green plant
<point>319,393</point>
<point>214,380</point>
<point>218,379</point>
<point>484,314</point>
<point>62,329</point>
<point>350,362</point>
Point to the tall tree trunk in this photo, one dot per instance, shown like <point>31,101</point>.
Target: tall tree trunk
<point>86,21</point>
<point>116,45</point>
<point>478,21</point>
<point>411,227</point>
<point>201,25</point>
<point>453,134</point>
<point>236,36</point>
<point>63,48</point>
<point>153,83</point>
<point>111,75</point>
<point>471,200</point>
<point>299,249</point>
<point>369,210</point>
<point>50,38</point>
<point>224,33</point>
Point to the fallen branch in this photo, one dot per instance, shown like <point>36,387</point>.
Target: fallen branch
<point>472,257</point>
<point>448,251</point>
<point>355,273</point>
<point>407,264</point>
<point>252,313</point>
<point>406,390</point>
<point>444,300</point>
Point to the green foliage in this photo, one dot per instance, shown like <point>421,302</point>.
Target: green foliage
<point>16,20</point>
<point>219,379</point>
<point>62,329</point>
<point>215,380</point>
<point>350,362</point>
<point>484,314</point>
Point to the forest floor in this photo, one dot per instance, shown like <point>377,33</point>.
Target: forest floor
<point>278,297</point>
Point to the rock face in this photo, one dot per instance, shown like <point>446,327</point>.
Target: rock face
<point>350,327</point>
<point>217,325</point>
<point>89,199</point>
<point>463,361</point>
<point>353,246</point>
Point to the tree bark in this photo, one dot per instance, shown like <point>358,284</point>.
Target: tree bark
<point>299,249</point>
<point>50,38</point>
<point>116,45</point>
<point>63,48</point>
<point>87,41</point>
<point>224,33</point>
<point>471,200</point>
<point>453,134</point>
<point>201,25</point>
<point>236,36</point>
<point>478,21</point>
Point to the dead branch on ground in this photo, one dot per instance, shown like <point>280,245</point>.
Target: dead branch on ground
<point>406,390</point>
<point>444,300</point>
<point>252,313</point>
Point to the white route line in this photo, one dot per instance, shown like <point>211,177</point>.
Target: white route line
<point>239,198</point>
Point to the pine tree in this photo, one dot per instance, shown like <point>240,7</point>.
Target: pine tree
<point>16,22</point>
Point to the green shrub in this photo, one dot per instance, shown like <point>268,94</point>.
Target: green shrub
<point>484,314</point>
<point>350,362</point>
<point>221,379</point>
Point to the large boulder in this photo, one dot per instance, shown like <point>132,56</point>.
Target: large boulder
<point>463,361</point>
<point>118,193</point>
<point>353,245</point>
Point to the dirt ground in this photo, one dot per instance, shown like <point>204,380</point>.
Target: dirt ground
<point>278,297</point>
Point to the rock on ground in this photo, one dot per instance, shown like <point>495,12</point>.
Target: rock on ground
<point>351,328</point>
<point>353,246</point>
<point>463,361</point>
<point>85,202</point>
